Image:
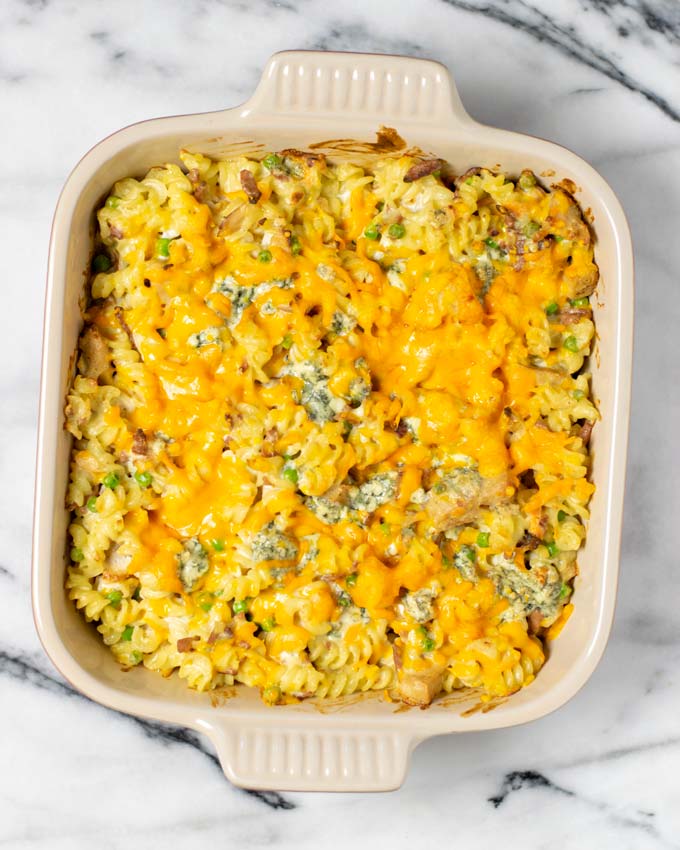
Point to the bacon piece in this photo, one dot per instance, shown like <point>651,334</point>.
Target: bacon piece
<point>185,644</point>
<point>215,634</point>
<point>534,619</point>
<point>199,186</point>
<point>529,541</point>
<point>572,315</point>
<point>139,443</point>
<point>270,438</point>
<point>586,431</point>
<point>422,169</point>
<point>250,186</point>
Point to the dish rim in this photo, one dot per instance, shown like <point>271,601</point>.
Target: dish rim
<point>404,733</point>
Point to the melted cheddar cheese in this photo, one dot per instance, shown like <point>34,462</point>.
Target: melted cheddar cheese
<point>330,425</point>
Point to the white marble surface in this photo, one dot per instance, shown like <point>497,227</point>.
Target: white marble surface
<point>601,77</point>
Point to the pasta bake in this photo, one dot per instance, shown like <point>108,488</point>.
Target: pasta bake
<point>331,425</point>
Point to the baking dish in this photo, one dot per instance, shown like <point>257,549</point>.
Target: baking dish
<point>303,98</point>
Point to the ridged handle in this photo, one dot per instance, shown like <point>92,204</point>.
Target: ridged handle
<point>297,759</point>
<point>394,88</point>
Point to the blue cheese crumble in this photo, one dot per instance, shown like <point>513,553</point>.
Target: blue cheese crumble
<point>192,563</point>
<point>375,492</point>
<point>270,544</point>
<point>208,336</point>
<point>242,297</point>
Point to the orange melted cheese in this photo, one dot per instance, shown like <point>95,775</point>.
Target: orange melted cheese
<point>263,378</point>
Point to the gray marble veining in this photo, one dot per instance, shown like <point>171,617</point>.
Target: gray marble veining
<point>602,77</point>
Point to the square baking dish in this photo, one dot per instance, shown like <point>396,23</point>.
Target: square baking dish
<point>359,743</point>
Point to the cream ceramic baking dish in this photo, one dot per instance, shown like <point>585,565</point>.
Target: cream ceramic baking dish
<point>304,98</point>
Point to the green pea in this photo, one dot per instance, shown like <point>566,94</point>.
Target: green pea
<point>527,181</point>
<point>163,248</point>
<point>571,344</point>
<point>287,341</point>
<point>114,597</point>
<point>92,504</point>
<point>290,473</point>
<point>265,256</point>
<point>552,308</point>
<point>241,605</point>
<point>206,606</point>
<point>272,162</point>
<point>351,580</point>
<point>372,232</point>
<point>143,479</point>
<point>218,545</point>
<point>579,302</point>
<point>561,516</point>
<point>112,202</point>
<point>531,228</point>
<point>565,591</point>
<point>552,549</point>
<point>491,243</point>
<point>111,481</point>
<point>101,263</point>
<point>77,554</point>
<point>268,624</point>
<point>344,599</point>
<point>429,644</point>
<point>127,633</point>
<point>295,246</point>
<point>483,539</point>
<point>396,231</point>
<point>558,238</point>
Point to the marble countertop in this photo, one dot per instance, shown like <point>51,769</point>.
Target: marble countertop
<point>602,78</point>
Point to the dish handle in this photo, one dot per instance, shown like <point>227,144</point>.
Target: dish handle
<point>294,758</point>
<point>371,86</point>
